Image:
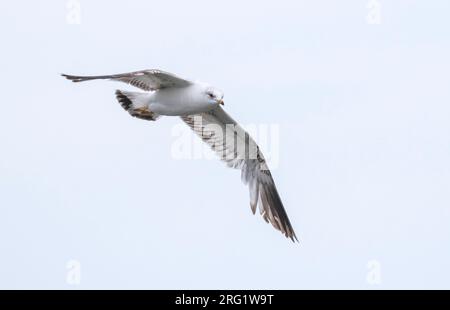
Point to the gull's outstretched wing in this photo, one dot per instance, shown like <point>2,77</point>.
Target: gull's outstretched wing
<point>146,79</point>
<point>234,146</point>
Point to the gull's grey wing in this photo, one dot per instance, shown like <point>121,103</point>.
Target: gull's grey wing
<point>146,79</point>
<point>234,146</point>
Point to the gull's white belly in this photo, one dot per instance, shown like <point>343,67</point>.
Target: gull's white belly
<point>178,101</point>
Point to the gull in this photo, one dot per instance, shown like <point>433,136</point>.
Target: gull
<point>199,105</point>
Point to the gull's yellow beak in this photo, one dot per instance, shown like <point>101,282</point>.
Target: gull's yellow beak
<point>221,102</point>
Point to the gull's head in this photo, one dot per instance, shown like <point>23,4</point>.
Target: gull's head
<point>213,95</point>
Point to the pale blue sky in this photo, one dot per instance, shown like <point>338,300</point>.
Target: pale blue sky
<point>364,169</point>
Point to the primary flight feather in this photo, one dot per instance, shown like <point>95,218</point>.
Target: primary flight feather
<point>199,106</point>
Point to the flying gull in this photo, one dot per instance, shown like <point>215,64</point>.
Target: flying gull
<point>199,106</point>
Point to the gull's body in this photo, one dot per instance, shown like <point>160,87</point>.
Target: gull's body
<point>179,101</point>
<point>198,105</point>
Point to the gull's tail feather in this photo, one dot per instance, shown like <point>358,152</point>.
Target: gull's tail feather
<point>136,104</point>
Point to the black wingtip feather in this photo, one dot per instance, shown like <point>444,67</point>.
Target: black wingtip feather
<point>124,101</point>
<point>76,78</point>
<point>73,78</point>
<point>274,200</point>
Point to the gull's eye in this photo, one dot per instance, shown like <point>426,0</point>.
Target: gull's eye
<point>210,95</point>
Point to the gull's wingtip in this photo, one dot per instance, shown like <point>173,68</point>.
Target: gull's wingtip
<point>76,78</point>
<point>253,207</point>
<point>71,77</point>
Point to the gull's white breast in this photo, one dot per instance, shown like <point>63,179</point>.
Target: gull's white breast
<point>179,101</point>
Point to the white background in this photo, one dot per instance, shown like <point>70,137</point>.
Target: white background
<point>364,169</point>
